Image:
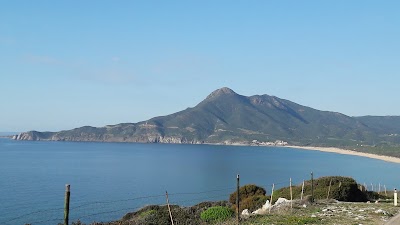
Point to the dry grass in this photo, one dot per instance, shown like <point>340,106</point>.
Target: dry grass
<point>328,213</point>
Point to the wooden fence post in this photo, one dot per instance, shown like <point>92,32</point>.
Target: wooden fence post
<point>169,209</point>
<point>312,187</point>
<point>291,193</point>
<point>237,199</point>
<point>272,194</point>
<point>329,189</point>
<point>302,191</point>
<point>66,203</point>
<point>379,189</point>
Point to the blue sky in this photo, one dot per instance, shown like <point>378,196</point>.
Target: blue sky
<point>65,64</point>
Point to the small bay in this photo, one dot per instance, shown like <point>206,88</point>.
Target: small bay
<point>110,179</point>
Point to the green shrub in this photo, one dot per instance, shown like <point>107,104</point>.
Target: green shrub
<point>301,220</point>
<point>147,213</point>
<point>342,189</point>
<point>247,191</point>
<point>216,214</point>
<point>373,196</point>
<point>251,197</point>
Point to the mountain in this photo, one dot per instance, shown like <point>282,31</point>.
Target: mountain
<point>226,117</point>
<point>384,124</point>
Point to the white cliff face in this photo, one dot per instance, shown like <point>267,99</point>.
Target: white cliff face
<point>23,137</point>
<point>153,138</point>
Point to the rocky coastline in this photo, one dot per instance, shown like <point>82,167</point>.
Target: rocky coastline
<point>38,136</point>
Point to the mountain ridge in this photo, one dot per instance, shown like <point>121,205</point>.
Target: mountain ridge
<point>225,117</point>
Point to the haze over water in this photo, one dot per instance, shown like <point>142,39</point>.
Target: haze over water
<point>110,179</point>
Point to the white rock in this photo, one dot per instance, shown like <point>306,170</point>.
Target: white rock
<point>259,212</point>
<point>380,211</point>
<point>264,209</point>
<point>267,205</point>
<point>245,212</point>
<point>281,201</point>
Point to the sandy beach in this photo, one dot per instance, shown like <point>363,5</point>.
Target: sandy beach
<point>349,152</point>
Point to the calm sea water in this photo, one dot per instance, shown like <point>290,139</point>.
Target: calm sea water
<point>110,179</point>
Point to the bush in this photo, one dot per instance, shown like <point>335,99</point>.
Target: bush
<point>251,197</point>
<point>342,189</point>
<point>246,191</point>
<point>216,214</point>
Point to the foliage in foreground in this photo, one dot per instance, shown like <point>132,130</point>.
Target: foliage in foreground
<point>216,214</point>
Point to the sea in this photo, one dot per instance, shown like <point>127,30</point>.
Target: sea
<point>108,180</point>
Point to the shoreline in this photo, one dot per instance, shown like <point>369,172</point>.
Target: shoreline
<point>336,150</point>
<point>311,148</point>
<point>347,152</point>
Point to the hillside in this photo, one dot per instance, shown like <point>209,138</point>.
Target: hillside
<point>226,117</point>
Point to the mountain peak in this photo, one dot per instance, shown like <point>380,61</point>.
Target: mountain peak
<point>221,91</point>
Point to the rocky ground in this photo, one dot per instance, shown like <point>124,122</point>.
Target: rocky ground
<point>329,213</point>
